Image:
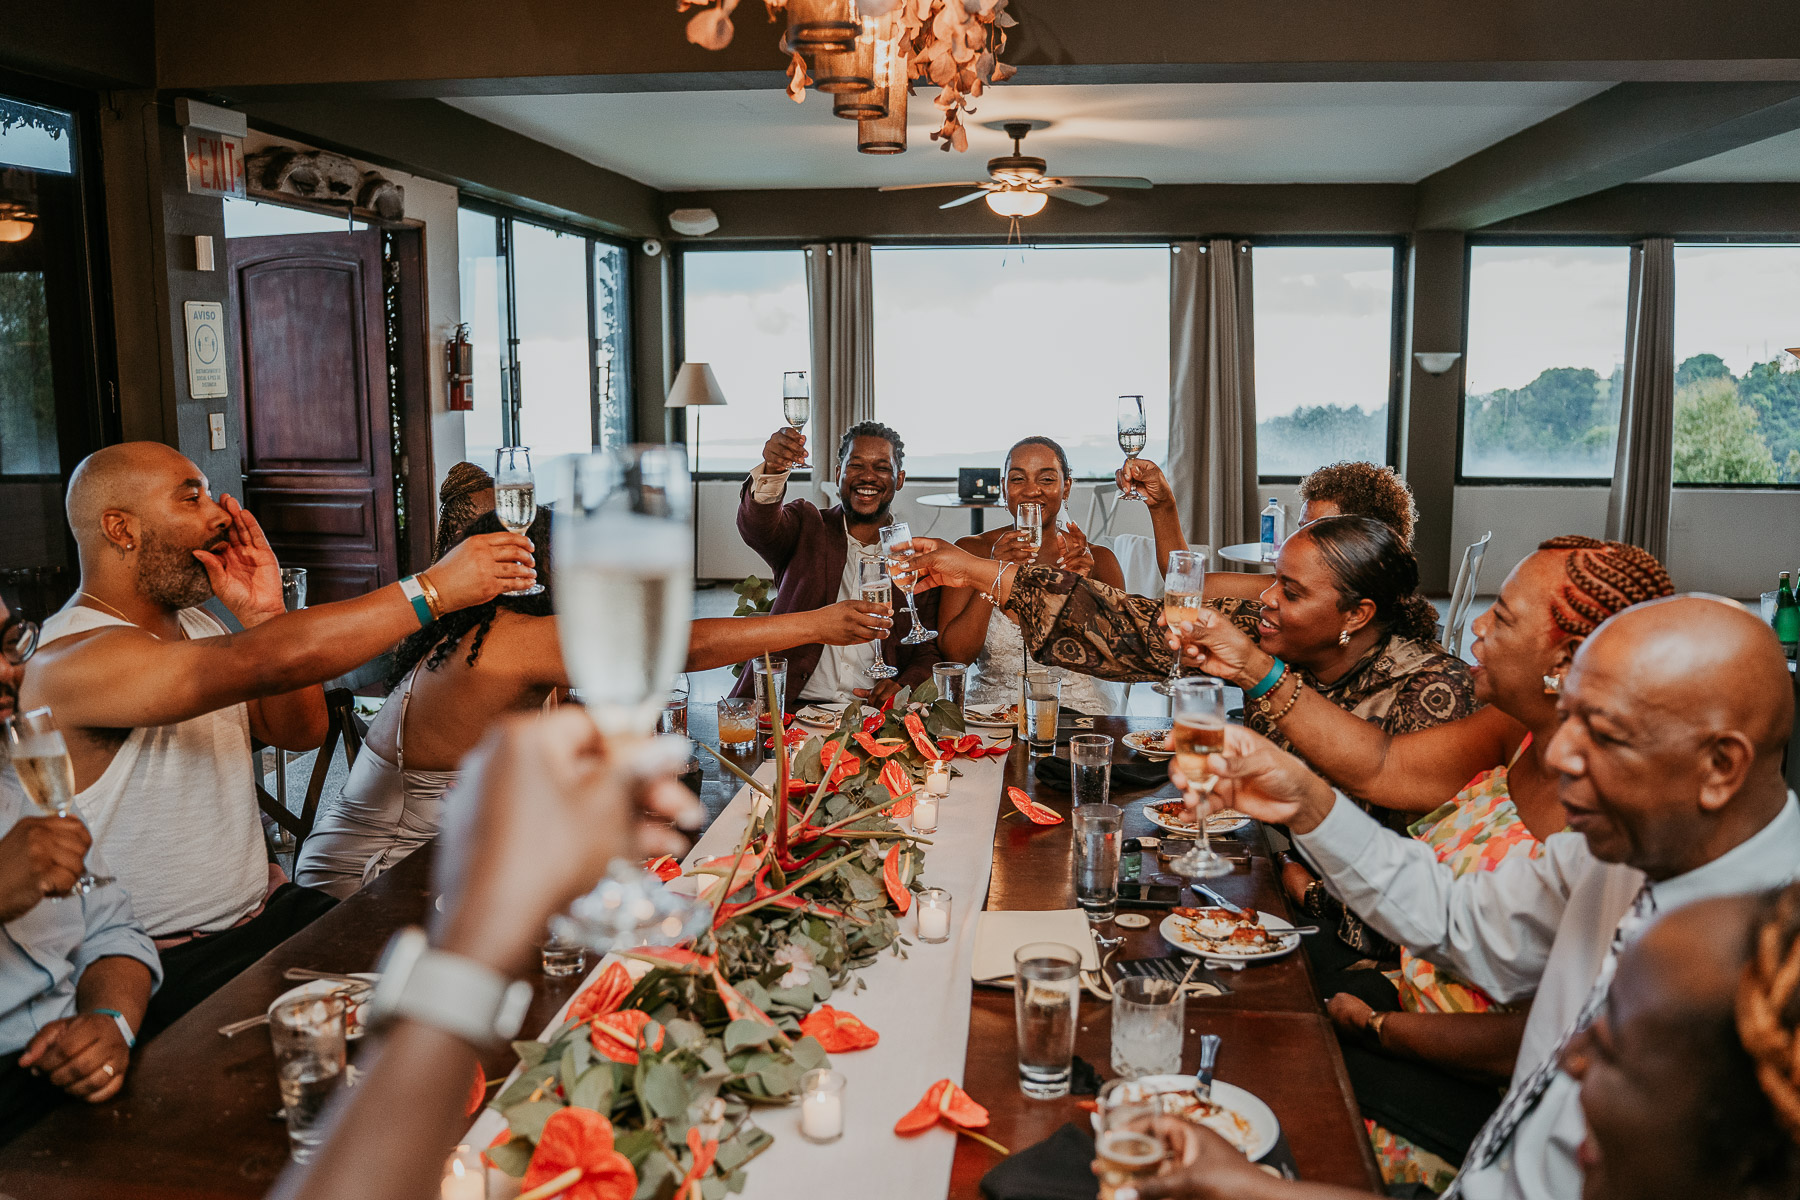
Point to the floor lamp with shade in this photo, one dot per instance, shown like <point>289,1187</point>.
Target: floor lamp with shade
<point>695,387</point>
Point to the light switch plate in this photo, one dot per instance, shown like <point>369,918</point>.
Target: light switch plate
<point>216,422</point>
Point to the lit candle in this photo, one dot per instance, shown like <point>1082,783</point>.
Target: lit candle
<point>933,905</point>
<point>925,813</point>
<point>937,778</point>
<point>464,1177</point>
<point>821,1106</point>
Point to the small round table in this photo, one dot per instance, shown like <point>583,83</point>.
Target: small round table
<point>952,500</point>
<point>1247,554</point>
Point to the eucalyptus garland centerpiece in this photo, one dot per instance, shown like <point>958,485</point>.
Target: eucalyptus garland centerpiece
<point>649,1086</point>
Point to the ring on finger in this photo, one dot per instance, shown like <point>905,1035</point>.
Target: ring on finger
<point>108,1068</point>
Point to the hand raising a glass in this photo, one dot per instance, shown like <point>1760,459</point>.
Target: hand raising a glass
<point>896,544</point>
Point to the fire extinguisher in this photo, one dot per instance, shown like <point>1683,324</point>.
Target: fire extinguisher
<point>459,356</point>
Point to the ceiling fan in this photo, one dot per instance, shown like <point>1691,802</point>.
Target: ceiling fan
<point>1019,187</point>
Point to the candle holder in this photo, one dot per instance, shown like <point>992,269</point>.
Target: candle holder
<point>933,907</point>
<point>822,1106</point>
<point>937,778</point>
<point>465,1177</point>
<point>925,813</point>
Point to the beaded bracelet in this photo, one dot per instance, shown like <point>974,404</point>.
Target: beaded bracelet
<point>1293,699</point>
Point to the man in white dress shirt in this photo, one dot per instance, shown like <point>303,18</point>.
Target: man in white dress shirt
<point>1669,756</point>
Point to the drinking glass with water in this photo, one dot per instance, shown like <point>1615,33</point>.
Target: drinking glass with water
<point>769,675</point>
<point>308,1036</point>
<point>1090,768</point>
<point>1097,859</point>
<point>1148,1016</point>
<point>952,682</point>
<point>1043,696</point>
<point>1046,1002</point>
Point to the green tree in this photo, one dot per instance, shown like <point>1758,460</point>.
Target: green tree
<point>27,395</point>
<point>1565,418</point>
<point>1775,395</point>
<point>1701,366</point>
<point>1716,438</point>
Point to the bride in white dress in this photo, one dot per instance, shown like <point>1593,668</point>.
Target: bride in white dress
<point>969,630</point>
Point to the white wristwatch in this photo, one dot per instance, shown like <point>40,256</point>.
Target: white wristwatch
<point>456,994</point>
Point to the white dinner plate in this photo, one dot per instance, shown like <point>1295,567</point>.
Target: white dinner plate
<point>1176,933</point>
<point>821,716</point>
<point>1228,821</point>
<point>1265,1130</point>
<point>353,1012</point>
<point>985,718</point>
<point>1136,742</point>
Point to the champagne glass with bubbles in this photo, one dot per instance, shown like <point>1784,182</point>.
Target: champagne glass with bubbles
<point>1183,590</point>
<point>41,758</point>
<point>1134,434</point>
<point>624,598</point>
<point>1197,705</point>
<point>900,534</point>
<point>796,399</point>
<point>515,496</point>
<point>874,587</point>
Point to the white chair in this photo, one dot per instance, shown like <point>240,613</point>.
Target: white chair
<point>1098,522</point>
<point>1463,593</point>
<point>1137,562</point>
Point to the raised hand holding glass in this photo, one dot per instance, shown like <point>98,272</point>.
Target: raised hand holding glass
<point>515,496</point>
<point>896,535</point>
<point>874,587</point>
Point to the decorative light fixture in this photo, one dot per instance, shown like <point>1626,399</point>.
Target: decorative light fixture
<point>836,72</point>
<point>1436,362</point>
<point>1016,202</point>
<point>871,102</point>
<point>16,225</point>
<point>822,24</point>
<point>886,134</point>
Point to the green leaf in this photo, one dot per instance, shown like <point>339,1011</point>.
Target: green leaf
<point>809,1055</point>
<point>712,1187</point>
<point>527,1120</point>
<point>637,1145</point>
<point>732,1152</point>
<point>569,1069</point>
<point>925,693</point>
<point>798,998</point>
<point>664,1090</point>
<point>527,1083</point>
<point>514,1157</point>
<point>779,1078</point>
<point>594,1089</point>
<point>746,1032</point>
<point>687,1034</point>
<point>821,984</point>
<point>530,1053</point>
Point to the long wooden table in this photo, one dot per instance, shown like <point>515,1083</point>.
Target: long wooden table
<point>197,1117</point>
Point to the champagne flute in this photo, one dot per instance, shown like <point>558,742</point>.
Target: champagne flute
<point>41,758</point>
<point>624,582</point>
<point>874,587</point>
<point>900,534</point>
<point>515,496</point>
<point>1183,588</point>
<point>1128,1150</point>
<point>1134,434</point>
<point>1197,705</point>
<point>796,399</point>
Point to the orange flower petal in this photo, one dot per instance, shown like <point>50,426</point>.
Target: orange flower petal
<point>899,786</point>
<point>620,1035</point>
<point>943,1100</point>
<point>602,996</point>
<point>477,1091</point>
<point>920,739</point>
<point>838,1032</point>
<point>1035,812</point>
<point>890,875</point>
<point>579,1137</point>
<point>882,748</point>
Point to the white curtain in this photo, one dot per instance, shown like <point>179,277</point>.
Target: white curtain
<point>841,303</point>
<point>1212,391</point>
<point>1637,511</point>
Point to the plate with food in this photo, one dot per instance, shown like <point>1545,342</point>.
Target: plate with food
<point>1236,933</point>
<point>1173,815</point>
<point>1003,716</point>
<point>1238,1116</point>
<point>1151,743</point>
<point>355,996</point>
<point>821,716</point>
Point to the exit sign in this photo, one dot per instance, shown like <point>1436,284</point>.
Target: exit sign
<point>215,163</point>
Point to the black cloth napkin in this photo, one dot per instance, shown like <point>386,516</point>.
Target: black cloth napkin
<point>1060,1168</point>
<point>1054,773</point>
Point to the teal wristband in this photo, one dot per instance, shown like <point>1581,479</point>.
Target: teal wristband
<point>1269,681</point>
<point>119,1020</point>
<point>409,587</point>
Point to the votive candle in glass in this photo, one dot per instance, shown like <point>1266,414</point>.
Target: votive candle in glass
<point>822,1105</point>
<point>937,778</point>
<point>465,1178</point>
<point>933,907</point>
<point>925,813</point>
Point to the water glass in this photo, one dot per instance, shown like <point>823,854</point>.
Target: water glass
<point>767,674</point>
<point>562,956</point>
<point>1046,1002</point>
<point>308,1036</point>
<point>1097,859</point>
<point>1043,695</point>
<point>952,681</point>
<point>673,718</point>
<point>1148,1017</point>
<point>1090,768</point>
<point>737,725</point>
<point>1028,518</point>
<point>293,588</point>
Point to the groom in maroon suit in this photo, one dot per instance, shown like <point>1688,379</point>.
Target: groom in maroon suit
<point>815,554</point>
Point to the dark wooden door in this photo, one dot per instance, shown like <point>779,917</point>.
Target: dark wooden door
<point>310,330</point>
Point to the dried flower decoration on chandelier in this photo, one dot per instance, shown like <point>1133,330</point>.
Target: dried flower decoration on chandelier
<point>954,44</point>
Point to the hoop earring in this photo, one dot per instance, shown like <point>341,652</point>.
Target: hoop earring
<point>1553,685</point>
<point>1344,638</point>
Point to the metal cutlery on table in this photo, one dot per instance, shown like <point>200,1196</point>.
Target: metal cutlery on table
<point>1209,1054</point>
<point>351,984</point>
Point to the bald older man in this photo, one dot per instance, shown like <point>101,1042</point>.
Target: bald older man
<point>1669,762</point>
<point>157,700</point>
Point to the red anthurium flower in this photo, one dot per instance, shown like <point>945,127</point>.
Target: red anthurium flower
<point>664,867</point>
<point>602,996</point>
<point>848,764</point>
<point>1035,812</point>
<point>920,739</point>
<point>875,722</point>
<point>620,1035</point>
<point>579,1142</point>
<point>946,1102</point>
<point>899,786</point>
<point>838,1032</point>
<point>477,1091</point>
<point>968,743</point>
<point>704,1153</point>
<point>890,875</point>
<point>740,1009</point>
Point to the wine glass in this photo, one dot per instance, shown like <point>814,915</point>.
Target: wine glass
<point>1183,588</point>
<point>515,496</point>
<point>624,583</point>
<point>874,587</point>
<point>900,534</point>
<point>1134,433</point>
<point>796,399</point>
<point>1197,706</point>
<point>41,758</point>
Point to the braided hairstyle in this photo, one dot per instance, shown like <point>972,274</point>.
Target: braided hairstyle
<point>1368,561</point>
<point>1600,579</point>
<point>456,504</point>
<point>1768,1024</point>
<point>438,640</point>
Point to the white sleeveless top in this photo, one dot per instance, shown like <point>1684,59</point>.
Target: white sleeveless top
<point>994,675</point>
<point>175,811</point>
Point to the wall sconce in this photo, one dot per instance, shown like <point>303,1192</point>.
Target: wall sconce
<point>1438,363</point>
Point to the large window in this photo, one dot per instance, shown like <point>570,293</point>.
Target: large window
<point>977,347</point>
<point>1546,344</point>
<point>1324,337</point>
<point>547,315</point>
<point>1737,392</point>
<point>744,312</point>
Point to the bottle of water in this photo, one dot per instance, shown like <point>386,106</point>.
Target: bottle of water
<point>1787,618</point>
<point>1274,529</point>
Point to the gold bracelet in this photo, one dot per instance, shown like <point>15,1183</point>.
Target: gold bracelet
<point>1375,1023</point>
<point>431,594</point>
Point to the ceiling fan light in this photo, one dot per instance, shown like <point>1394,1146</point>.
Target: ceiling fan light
<point>15,228</point>
<point>1017,203</point>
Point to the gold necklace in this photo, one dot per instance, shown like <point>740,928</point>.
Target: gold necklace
<point>115,612</point>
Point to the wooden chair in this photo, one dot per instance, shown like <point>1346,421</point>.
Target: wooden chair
<point>1463,593</point>
<point>344,725</point>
